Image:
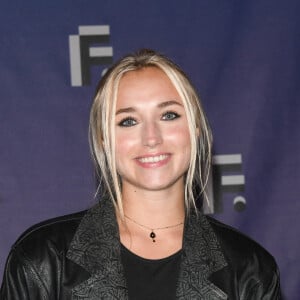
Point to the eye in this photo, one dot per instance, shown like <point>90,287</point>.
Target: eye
<point>127,122</point>
<point>170,115</point>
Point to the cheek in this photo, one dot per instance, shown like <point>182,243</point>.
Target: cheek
<point>181,136</point>
<point>182,142</point>
<point>124,144</point>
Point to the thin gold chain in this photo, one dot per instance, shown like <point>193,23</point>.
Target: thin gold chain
<point>152,229</point>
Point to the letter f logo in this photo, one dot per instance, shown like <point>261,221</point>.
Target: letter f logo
<point>84,53</point>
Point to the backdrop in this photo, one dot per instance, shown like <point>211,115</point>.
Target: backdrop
<point>242,56</point>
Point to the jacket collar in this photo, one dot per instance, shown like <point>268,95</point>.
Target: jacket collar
<point>96,248</point>
<point>202,256</point>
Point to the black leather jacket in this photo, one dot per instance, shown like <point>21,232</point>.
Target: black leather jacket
<point>78,257</point>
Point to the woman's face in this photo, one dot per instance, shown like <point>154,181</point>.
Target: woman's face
<point>152,136</point>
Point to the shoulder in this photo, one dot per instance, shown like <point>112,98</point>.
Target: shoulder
<point>235,243</point>
<point>253,267</point>
<point>242,252</point>
<point>55,234</point>
<point>38,260</point>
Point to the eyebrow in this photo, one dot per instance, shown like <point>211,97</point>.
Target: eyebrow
<point>168,103</point>
<point>160,105</point>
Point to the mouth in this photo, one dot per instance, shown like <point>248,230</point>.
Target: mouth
<point>153,159</point>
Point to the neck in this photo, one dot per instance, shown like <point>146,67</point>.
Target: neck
<point>155,208</point>
<point>150,211</point>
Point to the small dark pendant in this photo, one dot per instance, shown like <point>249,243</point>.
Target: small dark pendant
<point>153,235</point>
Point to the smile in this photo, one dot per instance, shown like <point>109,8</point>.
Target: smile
<point>153,159</point>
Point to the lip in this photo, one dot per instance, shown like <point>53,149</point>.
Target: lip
<point>153,160</point>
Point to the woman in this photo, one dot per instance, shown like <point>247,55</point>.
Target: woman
<point>145,239</point>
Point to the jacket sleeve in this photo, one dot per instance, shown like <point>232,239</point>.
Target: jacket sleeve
<point>266,288</point>
<point>21,281</point>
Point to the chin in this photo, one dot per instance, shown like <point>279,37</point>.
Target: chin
<point>159,186</point>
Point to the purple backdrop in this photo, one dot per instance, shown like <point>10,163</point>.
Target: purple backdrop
<point>243,57</point>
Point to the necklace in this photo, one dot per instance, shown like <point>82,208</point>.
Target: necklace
<point>152,234</point>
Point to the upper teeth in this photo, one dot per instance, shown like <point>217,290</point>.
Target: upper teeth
<point>152,159</point>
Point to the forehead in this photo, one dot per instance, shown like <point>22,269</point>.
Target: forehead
<point>150,74</point>
<point>149,82</point>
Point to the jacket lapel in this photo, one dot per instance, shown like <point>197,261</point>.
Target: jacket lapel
<point>96,248</point>
<point>201,257</point>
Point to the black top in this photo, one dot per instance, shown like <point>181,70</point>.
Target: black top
<point>150,279</point>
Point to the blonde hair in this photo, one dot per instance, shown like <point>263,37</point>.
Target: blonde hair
<point>102,132</point>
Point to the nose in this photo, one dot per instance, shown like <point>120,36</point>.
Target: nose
<point>151,135</point>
